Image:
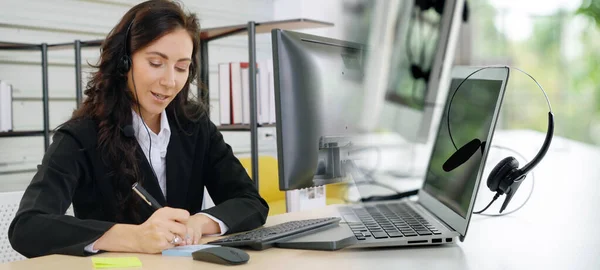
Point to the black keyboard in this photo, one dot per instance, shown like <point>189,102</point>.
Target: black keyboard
<point>384,221</point>
<point>265,237</point>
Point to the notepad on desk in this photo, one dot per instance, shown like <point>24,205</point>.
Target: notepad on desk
<point>185,251</point>
<point>116,262</point>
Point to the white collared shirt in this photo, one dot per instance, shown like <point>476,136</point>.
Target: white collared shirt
<point>159,146</point>
<point>160,142</point>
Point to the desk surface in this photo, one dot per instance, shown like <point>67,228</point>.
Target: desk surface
<point>555,230</point>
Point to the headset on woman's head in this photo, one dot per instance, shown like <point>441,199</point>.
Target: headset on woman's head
<point>123,67</point>
<point>124,63</point>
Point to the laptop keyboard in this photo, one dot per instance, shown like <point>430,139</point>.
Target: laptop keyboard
<point>388,221</point>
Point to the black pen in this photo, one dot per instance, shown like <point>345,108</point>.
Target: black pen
<point>146,196</point>
<point>139,190</point>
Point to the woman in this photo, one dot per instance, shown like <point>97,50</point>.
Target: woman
<point>137,125</point>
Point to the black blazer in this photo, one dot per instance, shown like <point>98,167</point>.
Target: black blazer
<point>72,172</point>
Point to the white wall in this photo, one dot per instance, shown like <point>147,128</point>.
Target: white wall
<point>321,10</point>
<point>59,21</point>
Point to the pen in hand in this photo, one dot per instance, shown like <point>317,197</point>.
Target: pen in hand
<point>140,191</point>
<point>146,196</point>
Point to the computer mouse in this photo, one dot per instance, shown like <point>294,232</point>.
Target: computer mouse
<point>221,255</point>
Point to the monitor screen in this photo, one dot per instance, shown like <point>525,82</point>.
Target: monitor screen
<point>466,121</point>
<point>416,42</point>
<point>409,72</point>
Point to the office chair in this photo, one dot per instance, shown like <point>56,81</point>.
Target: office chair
<point>268,185</point>
<point>9,204</point>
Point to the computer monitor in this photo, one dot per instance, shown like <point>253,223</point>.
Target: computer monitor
<point>318,99</point>
<point>405,75</point>
<point>326,96</point>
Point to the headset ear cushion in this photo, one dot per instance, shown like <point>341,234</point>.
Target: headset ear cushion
<point>500,172</point>
<point>124,65</point>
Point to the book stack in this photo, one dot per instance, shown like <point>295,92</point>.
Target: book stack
<point>6,109</point>
<point>234,93</point>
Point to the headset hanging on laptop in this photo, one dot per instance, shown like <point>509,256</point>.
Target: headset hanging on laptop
<point>506,177</point>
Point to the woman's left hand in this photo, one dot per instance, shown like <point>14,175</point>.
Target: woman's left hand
<point>198,225</point>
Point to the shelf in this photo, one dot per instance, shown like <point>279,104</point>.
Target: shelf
<point>19,46</point>
<point>20,99</point>
<point>241,127</point>
<point>266,27</point>
<point>18,171</point>
<point>21,134</point>
<point>92,43</point>
<point>206,34</point>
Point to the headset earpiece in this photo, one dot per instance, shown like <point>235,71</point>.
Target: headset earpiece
<point>124,65</point>
<point>418,73</point>
<point>499,177</point>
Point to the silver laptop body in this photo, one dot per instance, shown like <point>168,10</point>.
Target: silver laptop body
<point>442,212</point>
<point>446,199</point>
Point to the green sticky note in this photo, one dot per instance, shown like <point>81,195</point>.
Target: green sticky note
<point>116,262</point>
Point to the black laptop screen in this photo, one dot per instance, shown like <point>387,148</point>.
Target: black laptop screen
<point>451,177</point>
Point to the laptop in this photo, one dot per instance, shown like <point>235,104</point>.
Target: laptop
<point>442,212</point>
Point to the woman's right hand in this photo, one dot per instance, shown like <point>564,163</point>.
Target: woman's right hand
<point>156,234</point>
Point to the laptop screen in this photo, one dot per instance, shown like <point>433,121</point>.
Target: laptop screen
<point>452,174</point>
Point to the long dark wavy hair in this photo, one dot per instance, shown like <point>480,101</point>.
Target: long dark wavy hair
<point>109,102</point>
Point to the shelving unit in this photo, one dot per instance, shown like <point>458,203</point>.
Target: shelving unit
<point>207,35</point>
<point>78,45</point>
<point>43,47</point>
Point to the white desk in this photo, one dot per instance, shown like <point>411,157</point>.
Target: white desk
<point>555,230</point>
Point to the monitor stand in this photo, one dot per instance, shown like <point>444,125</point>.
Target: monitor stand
<point>305,199</point>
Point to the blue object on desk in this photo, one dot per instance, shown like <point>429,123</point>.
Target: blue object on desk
<point>185,251</point>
